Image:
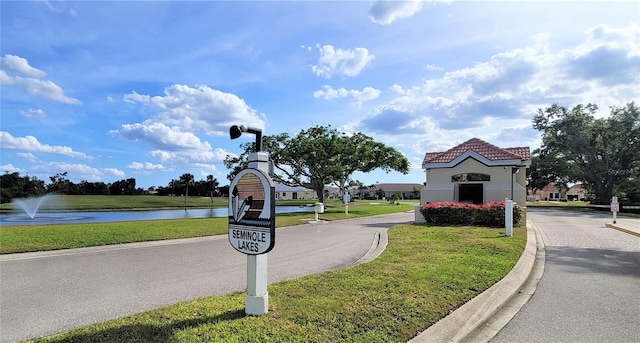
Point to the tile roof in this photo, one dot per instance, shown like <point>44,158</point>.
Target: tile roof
<point>480,147</point>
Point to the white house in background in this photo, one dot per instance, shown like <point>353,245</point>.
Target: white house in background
<point>284,192</point>
<point>475,172</point>
<point>403,190</point>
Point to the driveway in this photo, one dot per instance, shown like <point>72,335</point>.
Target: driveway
<point>590,289</point>
<point>50,292</point>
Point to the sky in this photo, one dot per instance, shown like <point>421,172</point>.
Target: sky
<point>111,90</point>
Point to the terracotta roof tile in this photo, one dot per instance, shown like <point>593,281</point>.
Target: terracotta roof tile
<point>480,147</point>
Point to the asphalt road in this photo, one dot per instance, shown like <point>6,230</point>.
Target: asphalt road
<point>46,293</point>
<point>590,289</point>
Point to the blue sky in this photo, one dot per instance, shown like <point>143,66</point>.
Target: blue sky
<point>148,89</point>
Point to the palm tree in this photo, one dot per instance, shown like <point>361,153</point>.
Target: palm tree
<point>187,180</point>
<point>213,185</point>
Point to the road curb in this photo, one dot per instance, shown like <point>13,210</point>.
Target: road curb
<point>471,316</point>
<point>622,229</point>
<point>380,241</point>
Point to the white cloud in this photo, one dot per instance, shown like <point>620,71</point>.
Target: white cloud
<point>32,83</point>
<point>161,136</point>
<point>191,157</point>
<point>27,156</point>
<point>9,168</point>
<point>172,143</point>
<point>341,62</point>
<point>134,97</point>
<point>327,92</point>
<point>30,143</point>
<point>431,67</point>
<point>20,66</point>
<point>146,167</point>
<point>506,90</point>
<point>113,172</point>
<point>46,89</point>
<point>199,109</point>
<point>76,171</point>
<point>5,79</point>
<point>33,113</point>
<point>386,12</point>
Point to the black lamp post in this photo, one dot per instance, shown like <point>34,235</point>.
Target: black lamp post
<point>236,131</point>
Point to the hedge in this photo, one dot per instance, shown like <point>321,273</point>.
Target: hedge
<point>455,213</point>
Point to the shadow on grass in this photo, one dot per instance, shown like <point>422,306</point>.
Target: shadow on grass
<point>144,332</point>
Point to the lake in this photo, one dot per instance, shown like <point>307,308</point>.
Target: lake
<point>17,218</point>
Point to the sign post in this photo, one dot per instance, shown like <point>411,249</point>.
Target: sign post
<point>252,222</point>
<point>346,198</point>
<point>615,208</point>
<point>508,216</point>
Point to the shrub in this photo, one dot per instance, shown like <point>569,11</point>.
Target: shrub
<point>454,213</point>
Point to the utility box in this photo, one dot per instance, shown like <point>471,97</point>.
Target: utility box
<point>319,207</point>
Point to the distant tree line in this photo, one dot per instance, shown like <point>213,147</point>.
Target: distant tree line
<point>13,185</point>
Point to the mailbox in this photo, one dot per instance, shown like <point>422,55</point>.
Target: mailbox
<point>319,207</point>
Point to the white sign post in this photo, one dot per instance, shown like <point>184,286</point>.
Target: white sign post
<point>508,216</point>
<point>346,198</point>
<point>615,208</point>
<point>252,221</point>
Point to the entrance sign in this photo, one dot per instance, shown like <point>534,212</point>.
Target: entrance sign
<point>252,220</point>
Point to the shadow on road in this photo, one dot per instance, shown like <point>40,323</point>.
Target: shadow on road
<point>602,261</point>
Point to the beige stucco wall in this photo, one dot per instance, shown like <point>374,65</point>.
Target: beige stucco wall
<point>440,188</point>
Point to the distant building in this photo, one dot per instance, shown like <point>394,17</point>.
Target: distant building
<point>476,172</point>
<point>284,192</point>
<point>386,190</point>
<point>552,193</point>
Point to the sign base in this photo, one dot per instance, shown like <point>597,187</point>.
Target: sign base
<point>256,305</point>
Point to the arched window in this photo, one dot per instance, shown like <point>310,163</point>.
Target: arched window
<point>466,177</point>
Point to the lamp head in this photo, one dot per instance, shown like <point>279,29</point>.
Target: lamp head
<point>236,131</point>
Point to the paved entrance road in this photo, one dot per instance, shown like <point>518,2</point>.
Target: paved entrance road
<point>590,289</point>
<point>46,293</point>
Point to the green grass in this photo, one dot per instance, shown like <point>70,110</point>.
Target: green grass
<point>14,239</point>
<point>425,273</point>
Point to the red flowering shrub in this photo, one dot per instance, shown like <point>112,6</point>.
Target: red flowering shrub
<point>455,213</point>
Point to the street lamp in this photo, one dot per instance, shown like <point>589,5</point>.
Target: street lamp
<point>236,131</point>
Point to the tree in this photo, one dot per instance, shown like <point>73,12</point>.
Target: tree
<point>187,180</point>
<point>12,185</point>
<point>546,169</point>
<point>321,156</point>
<point>604,153</point>
<point>60,184</point>
<point>360,152</point>
<point>212,184</point>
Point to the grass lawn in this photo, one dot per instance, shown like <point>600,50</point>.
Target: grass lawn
<point>424,273</point>
<point>27,238</point>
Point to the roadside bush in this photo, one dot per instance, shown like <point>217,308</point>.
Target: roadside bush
<point>454,213</point>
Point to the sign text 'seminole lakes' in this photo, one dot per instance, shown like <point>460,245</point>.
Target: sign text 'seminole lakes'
<point>249,239</point>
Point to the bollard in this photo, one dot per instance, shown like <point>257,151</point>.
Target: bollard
<point>508,216</point>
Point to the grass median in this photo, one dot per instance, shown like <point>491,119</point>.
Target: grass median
<point>15,239</point>
<point>424,274</point>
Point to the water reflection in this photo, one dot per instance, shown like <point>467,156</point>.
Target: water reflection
<point>118,216</point>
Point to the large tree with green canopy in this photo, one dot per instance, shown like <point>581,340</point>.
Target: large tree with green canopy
<point>604,153</point>
<point>320,156</point>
